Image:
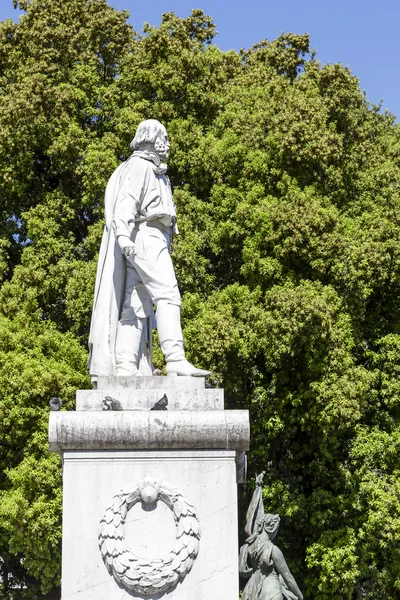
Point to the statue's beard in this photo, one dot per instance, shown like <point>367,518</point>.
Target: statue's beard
<point>162,150</point>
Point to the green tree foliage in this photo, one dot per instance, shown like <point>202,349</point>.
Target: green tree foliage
<point>287,184</point>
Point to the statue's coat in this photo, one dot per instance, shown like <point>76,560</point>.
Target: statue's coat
<point>109,291</point>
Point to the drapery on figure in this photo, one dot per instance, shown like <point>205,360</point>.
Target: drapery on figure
<point>260,560</point>
<point>135,270</point>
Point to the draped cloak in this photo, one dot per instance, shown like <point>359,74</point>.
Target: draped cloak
<point>109,293</point>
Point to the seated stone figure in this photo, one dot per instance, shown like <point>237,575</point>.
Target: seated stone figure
<point>135,270</point>
<point>260,560</point>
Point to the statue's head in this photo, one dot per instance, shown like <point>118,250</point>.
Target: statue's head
<point>151,135</point>
<point>268,523</point>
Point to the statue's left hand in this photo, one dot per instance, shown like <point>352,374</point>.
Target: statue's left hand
<point>129,251</point>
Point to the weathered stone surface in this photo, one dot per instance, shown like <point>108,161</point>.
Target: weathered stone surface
<point>149,430</point>
<point>151,383</point>
<point>138,399</point>
<point>114,551</point>
<point>207,481</point>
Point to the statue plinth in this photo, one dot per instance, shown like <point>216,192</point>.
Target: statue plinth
<point>150,496</point>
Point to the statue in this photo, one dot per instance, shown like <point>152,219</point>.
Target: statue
<point>135,270</point>
<point>260,560</point>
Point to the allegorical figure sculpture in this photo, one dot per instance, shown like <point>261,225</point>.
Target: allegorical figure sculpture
<point>260,560</point>
<point>135,270</point>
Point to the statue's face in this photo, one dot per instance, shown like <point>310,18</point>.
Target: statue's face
<point>161,144</point>
<point>273,535</point>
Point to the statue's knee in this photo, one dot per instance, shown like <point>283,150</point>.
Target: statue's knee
<point>168,302</point>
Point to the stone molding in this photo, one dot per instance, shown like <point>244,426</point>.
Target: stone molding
<point>147,430</point>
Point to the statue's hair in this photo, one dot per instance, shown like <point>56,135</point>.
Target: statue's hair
<point>146,133</point>
<point>269,523</point>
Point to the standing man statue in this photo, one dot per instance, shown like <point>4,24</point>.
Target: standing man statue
<point>135,270</point>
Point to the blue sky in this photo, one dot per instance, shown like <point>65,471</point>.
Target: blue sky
<point>361,34</point>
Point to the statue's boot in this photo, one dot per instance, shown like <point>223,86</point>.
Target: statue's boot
<point>171,340</point>
<point>127,347</point>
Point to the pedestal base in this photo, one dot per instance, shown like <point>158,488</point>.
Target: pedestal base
<point>207,480</point>
<point>150,497</point>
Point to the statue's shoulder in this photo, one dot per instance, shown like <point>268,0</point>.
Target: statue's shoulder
<point>137,163</point>
<point>128,168</point>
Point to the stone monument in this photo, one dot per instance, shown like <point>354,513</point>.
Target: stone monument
<point>150,463</point>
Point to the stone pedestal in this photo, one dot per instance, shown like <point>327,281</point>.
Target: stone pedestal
<point>150,497</point>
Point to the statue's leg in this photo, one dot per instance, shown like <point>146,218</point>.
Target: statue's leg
<point>127,347</point>
<point>131,351</point>
<point>154,265</point>
<point>171,340</point>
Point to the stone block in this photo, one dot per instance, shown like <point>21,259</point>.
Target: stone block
<point>206,479</point>
<point>143,399</point>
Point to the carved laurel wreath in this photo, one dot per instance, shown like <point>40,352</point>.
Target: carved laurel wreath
<point>147,576</point>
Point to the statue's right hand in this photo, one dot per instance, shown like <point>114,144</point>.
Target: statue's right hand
<point>260,478</point>
<point>126,245</point>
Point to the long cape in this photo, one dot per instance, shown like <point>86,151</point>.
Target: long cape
<point>109,292</point>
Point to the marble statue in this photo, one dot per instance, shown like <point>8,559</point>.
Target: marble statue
<point>135,270</point>
<point>260,560</point>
